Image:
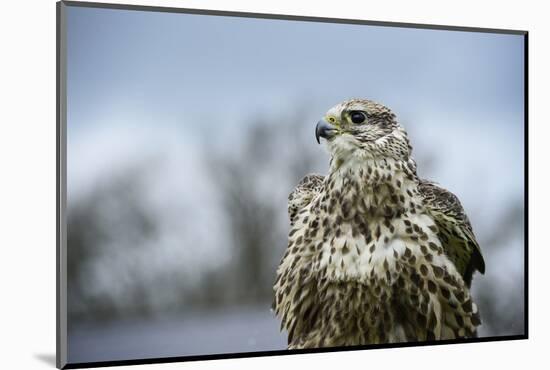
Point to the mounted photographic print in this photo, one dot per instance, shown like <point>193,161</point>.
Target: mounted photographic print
<point>235,184</point>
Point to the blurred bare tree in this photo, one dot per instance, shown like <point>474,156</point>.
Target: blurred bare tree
<point>253,185</point>
<point>500,293</point>
<point>111,216</point>
<point>112,232</point>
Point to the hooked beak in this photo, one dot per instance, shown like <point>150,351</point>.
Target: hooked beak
<point>324,130</point>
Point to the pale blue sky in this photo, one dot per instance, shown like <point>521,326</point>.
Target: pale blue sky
<point>154,67</point>
<point>459,94</point>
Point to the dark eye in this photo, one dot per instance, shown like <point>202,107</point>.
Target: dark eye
<point>357,116</point>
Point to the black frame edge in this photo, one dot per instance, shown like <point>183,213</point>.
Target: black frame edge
<point>288,17</point>
<point>61,276</point>
<point>149,361</point>
<point>526,186</point>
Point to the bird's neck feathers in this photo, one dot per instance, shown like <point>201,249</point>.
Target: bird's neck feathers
<point>378,186</point>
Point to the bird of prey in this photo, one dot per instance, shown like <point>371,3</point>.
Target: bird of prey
<point>375,254</point>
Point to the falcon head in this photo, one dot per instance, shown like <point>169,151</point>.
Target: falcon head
<point>363,129</point>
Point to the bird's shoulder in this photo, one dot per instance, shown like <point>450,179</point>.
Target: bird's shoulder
<point>306,190</point>
<point>454,228</point>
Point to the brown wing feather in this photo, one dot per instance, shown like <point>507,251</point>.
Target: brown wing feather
<point>304,193</point>
<point>455,230</point>
<point>295,298</point>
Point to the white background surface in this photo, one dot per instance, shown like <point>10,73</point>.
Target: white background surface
<point>27,190</point>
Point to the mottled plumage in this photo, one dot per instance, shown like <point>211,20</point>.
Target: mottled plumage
<point>455,230</point>
<point>374,254</point>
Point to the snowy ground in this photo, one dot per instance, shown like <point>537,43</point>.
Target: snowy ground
<point>243,330</point>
